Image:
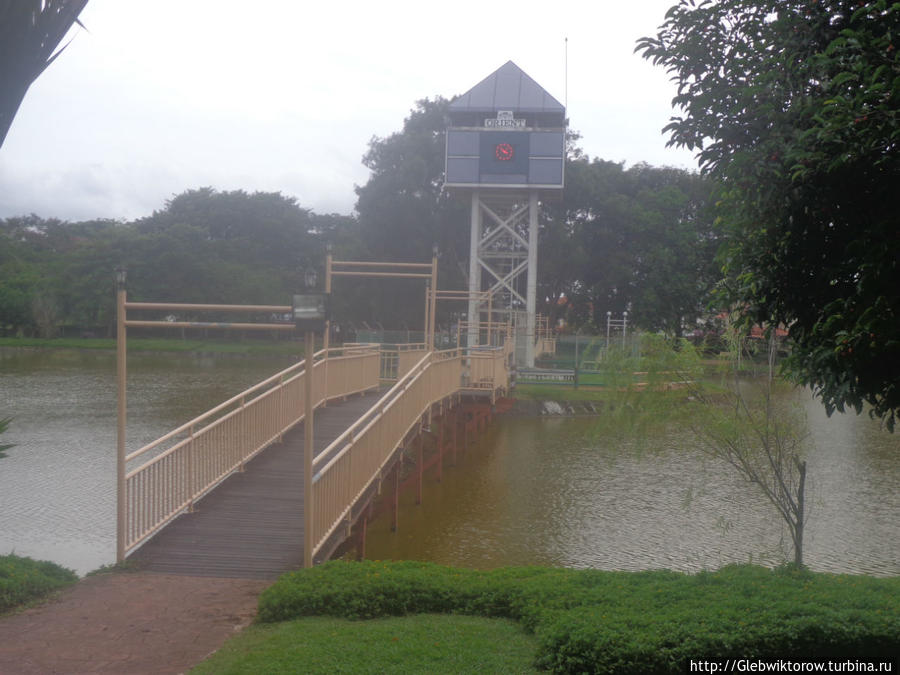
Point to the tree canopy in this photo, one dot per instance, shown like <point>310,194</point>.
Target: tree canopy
<point>203,246</point>
<point>792,107</point>
<point>637,240</point>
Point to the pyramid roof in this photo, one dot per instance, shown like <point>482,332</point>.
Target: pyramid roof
<point>507,88</point>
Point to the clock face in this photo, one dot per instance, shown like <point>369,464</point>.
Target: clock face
<point>504,152</point>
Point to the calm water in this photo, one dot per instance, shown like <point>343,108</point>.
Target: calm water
<point>534,491</point>
<point>57,486</point>
<point>559,492</point>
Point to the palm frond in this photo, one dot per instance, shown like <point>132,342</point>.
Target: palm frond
<point>30,34</point>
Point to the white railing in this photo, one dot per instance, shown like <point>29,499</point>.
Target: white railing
<point>183,465</point>
<point>350,465</point>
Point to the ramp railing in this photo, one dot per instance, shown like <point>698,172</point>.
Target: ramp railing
<point>179,468</point>
<point>352,463</point>
<point>184,464</point>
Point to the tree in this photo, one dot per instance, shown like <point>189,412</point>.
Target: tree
<point>793,107</point>
<point>204,246</point>
<point>228,247</point>
<point>403,211</point>
<point>30,32</point>
<point>741,421</point>
<point>762,442</point>
<point>638,240</point>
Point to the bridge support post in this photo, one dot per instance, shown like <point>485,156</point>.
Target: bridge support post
<point>363,526</point>
<point>440,447</point>
<point>420,465</point>
<point>395,498</point>
<point>455,427</point>
<point>466,424</point>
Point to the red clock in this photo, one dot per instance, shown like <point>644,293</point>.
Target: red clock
<point>504,152</point>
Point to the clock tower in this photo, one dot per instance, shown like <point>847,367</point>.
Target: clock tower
<point>505,153</point>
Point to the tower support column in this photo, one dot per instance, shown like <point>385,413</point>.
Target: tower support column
<point>531,293</point>
<point>474,268</point>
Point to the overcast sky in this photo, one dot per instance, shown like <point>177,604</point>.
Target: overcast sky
<point>279,95</point>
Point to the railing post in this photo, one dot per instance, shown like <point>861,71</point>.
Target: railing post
<point>308,453</point>
<point>190,472</point>
<point>121,410</point>
<point>244,432</point>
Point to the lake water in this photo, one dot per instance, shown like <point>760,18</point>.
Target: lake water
<point>533,490</point>
<point>565,492</point>
<point>57,486</point>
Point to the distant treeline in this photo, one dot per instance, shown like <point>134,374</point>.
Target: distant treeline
<point>639,239</point>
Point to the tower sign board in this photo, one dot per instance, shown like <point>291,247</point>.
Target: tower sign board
<point>506,131</point>
<point>506,151</point>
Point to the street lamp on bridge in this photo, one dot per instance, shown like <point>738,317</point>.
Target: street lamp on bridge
<point>310,316</point>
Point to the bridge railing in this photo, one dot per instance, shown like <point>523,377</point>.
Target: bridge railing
<point>545,345</point>
<point>397,360</point>
<point>184,464</point>
<point>488,368</point>
<point>345,470</point>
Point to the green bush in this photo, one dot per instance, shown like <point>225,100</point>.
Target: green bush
<point>590,621</point>
<point>23,580</point>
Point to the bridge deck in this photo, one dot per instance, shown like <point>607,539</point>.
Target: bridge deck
<point>251,525</point>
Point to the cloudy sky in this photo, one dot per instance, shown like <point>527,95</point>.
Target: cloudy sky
<point>281,95</point>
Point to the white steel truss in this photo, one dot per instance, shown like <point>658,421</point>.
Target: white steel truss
<point>503,261</point>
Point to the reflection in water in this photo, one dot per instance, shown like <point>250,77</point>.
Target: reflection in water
<point>57,486</point>
<point>559,492</point>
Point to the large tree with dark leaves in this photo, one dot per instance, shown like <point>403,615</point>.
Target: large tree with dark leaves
<point>30,33</point>
<point>404,211</point>
<point>793,105</point>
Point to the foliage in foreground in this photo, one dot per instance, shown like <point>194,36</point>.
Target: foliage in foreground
<point>29,42</point>
<point>397,645</point>
<point>23,580</point>
<point>591,621</point>
<point>794,107</point>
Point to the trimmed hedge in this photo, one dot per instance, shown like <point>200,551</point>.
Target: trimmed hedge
<point>590,621</point>
<point>23,580</point>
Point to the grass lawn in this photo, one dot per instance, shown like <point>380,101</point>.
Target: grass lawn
<point>424,643</point>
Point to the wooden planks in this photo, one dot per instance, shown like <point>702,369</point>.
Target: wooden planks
<point>251,525</point>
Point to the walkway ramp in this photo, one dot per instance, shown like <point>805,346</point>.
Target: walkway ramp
<point>223,494</point>
<point>251,526</point>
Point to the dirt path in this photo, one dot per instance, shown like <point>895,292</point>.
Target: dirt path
<point>127,623</point>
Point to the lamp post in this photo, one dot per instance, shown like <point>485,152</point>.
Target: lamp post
<point>431,319</point>
<point>310,315</point>
<point>121,412</point>
<point>608,321</point>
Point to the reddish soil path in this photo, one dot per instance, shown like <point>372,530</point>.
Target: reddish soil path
<point>127,623</point>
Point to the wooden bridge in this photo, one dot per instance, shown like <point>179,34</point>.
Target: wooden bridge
<point>223,495</point>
